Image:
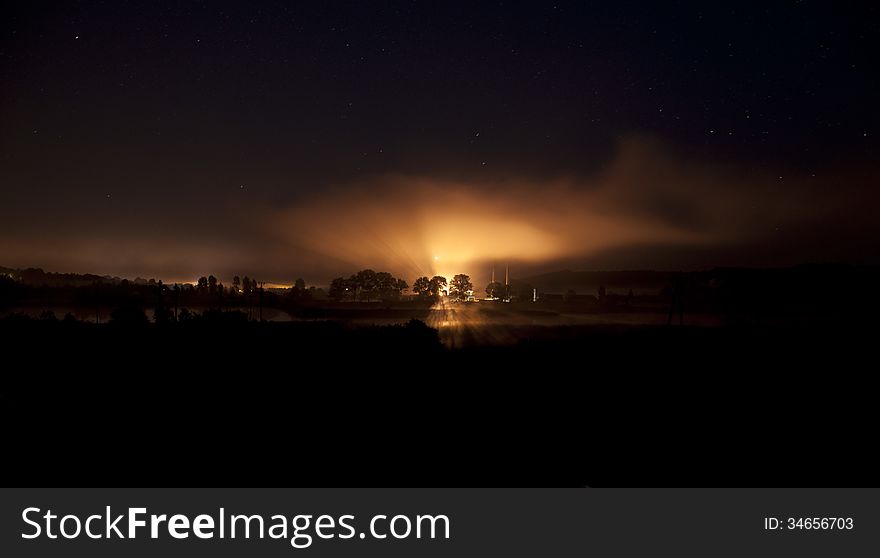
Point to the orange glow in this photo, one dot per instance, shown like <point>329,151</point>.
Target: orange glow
<point>415,226</point>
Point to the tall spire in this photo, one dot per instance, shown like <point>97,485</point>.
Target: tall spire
<point>507,275</point>
<point>493,273</point>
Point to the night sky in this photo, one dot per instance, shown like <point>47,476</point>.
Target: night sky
<point>286,139</point>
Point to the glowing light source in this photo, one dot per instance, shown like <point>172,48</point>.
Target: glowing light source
<point>472,224</point>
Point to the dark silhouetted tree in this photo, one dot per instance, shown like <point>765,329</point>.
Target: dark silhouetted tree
<point>386,286</point>
<point>299,284</point>
<point>401,286</point>
<point>422,287</point>
<point>495,289</point>
<point>460,285</point>
<point>365,282</point>
<point>340,289</point>
<point>438,285</point>
<point>48,316</point>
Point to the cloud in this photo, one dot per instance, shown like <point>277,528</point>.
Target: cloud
<point>648,197</point>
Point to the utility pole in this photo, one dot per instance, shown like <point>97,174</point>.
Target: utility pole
<point>261,300</point>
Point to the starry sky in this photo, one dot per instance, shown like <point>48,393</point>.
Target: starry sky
<point>285,139</point>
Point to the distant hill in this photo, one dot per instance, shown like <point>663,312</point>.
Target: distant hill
<point>36,277</point>
<point>583,281</point>
<point>811,278</point>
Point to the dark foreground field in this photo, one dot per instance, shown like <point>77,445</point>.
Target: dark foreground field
<point>328,403</point>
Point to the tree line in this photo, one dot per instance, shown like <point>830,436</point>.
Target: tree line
<point>459,288</point>
<point>368,285</point>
